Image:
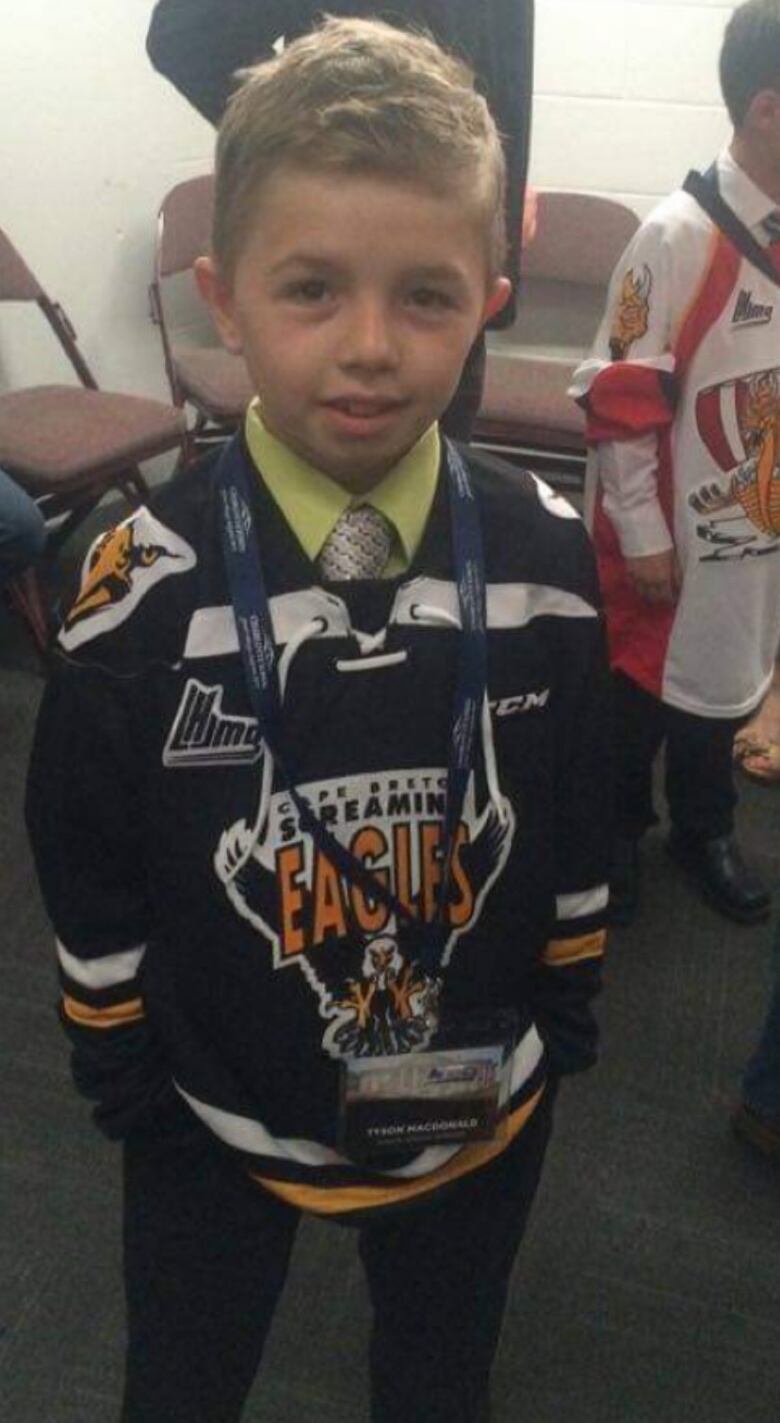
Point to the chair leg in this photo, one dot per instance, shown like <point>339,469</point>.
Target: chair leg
<point>76,516</point>
<point>25,595</point>
<point>134,486</point>
<point>189,448</point>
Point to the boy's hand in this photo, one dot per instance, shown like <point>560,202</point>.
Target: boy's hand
<point>655,576</point>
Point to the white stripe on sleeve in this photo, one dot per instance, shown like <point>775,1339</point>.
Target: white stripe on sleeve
<point>578,906</point>
<point>104,972</point>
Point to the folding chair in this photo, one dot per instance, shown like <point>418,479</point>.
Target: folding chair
<point>565,275</point>
<point>207,377</point>
<point>68,445</point>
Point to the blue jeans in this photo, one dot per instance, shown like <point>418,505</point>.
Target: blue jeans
<point>761,1083</point>
<point>22,530</point>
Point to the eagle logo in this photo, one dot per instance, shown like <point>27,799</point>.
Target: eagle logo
<point>360,958</point>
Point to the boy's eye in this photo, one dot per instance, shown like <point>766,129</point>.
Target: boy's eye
<point>431,299</point>
<point>312,289</point>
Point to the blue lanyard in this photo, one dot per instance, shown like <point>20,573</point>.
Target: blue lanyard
<point>258,652</point>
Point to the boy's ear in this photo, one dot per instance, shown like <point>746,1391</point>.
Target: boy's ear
<point>218,297</point>
<point>764,109</point>
<point>497,298</point>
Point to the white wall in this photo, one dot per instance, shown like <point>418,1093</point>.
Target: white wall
<point>92,139</point>
<point>627,95</point>
<point>627,100</point>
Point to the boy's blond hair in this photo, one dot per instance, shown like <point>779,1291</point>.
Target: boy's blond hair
<point>358,96</point>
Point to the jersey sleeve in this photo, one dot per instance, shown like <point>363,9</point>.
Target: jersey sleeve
<point>627,388</point>
<point>85,829</point>
<point>568,976</point>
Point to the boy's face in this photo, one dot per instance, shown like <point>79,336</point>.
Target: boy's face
<point>354,301</point>
<point>760,140</point>
<point>772,131</point>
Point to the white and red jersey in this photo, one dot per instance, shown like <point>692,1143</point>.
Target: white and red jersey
<point>682,393</point>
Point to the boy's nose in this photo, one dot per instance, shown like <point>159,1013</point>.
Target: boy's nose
<point>370,340</point>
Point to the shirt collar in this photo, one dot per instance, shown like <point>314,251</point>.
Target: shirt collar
<point>743,196</point>
<point>312,502</point>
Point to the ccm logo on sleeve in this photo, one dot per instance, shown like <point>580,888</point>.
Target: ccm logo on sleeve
<point>523,702</point>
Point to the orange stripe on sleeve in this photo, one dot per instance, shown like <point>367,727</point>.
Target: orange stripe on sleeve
<point>114,1017</point>
<point>560,952</point>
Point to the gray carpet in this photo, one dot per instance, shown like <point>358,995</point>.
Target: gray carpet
<point>648,1288</point>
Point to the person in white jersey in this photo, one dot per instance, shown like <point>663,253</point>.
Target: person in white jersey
<point>682,394</point>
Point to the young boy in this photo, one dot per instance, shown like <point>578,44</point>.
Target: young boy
<point>324,853</point>
<point>683,400</point>
<point>199,47</point>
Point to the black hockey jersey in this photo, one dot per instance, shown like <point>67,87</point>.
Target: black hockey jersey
<point>207,948</point>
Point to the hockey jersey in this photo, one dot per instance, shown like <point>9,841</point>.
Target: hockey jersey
<point>206,947</point>
<point>682,395</point>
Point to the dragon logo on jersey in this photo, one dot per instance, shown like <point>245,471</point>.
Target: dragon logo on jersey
<point>633,313</point>
<point>118,570</point>
<point>739,422</point>
<point>358,956</point>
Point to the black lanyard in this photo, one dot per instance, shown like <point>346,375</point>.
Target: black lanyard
<point>251,609</point>
<point>705,188</point>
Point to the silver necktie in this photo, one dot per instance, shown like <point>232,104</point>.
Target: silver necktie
<point>358,545</point>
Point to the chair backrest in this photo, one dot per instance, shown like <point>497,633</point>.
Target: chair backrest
<point>565,274</point>
<point>184,225</point>
<point>579,238</point>
<point>17,282</point>
<point>183,234</point>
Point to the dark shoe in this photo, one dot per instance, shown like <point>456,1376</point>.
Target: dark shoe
<point>762,1133</point>
<point>623,881</point>
<point>719,870</point>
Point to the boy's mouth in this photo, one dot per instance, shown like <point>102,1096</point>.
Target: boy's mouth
<point>361,414</point>
<point>363,405</point>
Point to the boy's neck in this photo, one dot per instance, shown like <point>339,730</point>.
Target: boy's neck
<point>359,482</point>
<point>759,165</point>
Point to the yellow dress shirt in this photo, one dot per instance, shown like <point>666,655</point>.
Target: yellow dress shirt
<point>312,502</point>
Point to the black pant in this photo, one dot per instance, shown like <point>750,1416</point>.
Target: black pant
<point>206,1256</point>
<point>699,778</point>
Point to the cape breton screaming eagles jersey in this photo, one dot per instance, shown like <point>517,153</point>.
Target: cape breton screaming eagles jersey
<point>682,394</point>
<point>205,945</point>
